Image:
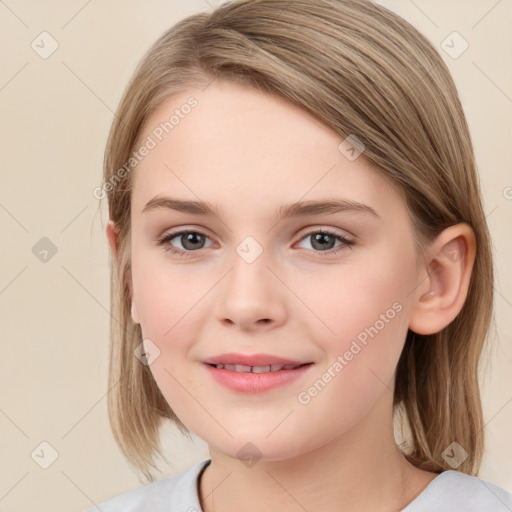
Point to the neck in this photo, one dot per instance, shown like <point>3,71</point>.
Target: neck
<point>361,470</point>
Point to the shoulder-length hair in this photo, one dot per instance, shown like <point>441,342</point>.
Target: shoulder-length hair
<point>360,69</point>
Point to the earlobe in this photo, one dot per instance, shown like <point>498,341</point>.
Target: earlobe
<point>112,236</point>
<point>444,280</point>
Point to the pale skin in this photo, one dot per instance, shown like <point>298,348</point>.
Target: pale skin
<point>251,153</point>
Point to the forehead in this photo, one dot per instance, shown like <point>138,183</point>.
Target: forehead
<point>245,149</point>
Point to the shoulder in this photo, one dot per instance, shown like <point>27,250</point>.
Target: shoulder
<point>453,491</point>
<point>178,492</point>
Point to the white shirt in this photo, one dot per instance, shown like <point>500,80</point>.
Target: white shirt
<point>450,491</point>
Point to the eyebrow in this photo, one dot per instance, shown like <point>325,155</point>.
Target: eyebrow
<point>317,207</point>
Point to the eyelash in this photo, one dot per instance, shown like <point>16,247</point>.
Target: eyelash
<point>347,243</point>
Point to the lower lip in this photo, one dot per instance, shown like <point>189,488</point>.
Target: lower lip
<point>248,382</point>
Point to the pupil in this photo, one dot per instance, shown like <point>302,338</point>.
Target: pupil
<point>191,238</point>
<point>323,240</point>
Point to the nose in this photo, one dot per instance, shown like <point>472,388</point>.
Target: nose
<point>251,296</point>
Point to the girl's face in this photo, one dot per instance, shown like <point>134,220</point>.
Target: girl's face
<point>256,282</point>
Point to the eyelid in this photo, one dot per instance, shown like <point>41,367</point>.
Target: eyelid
<point>315,228</point>
<point>161,240</point>
<point>346,242</point>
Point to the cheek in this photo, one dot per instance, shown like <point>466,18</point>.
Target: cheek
<point>171,300</point>
<point>166,294</point>
<point>364,305</point>
<point>350,298</point>
<point>370,325</point>
<point>165,301</point>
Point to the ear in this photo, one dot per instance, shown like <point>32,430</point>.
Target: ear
<point>112,235</point>
<point>445,277</point>
<point>113,240</point>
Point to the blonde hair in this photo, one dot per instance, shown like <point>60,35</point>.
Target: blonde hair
<point>361,70</point>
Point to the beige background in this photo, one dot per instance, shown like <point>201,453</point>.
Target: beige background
<point>56,113</point>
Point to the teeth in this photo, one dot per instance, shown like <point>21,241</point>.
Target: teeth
<point>261,369</point>
<point>241,368</point>
<point>255,369</point>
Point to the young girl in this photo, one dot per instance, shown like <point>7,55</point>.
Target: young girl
<point>302,267</point>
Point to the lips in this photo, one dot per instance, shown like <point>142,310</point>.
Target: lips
<point>241,368</point>
<point>254,373</point>
<point>253,360</point>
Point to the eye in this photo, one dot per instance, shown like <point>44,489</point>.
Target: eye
<point>190,240</point>
<point>193,240</point>
<point>323,240</point>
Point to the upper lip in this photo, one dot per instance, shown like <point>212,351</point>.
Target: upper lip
<point>252,360</point>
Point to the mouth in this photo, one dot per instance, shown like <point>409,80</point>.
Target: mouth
<point>255,380</point>
<point>241,368</point>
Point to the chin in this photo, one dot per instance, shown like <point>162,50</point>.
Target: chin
<point>253,449</point>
